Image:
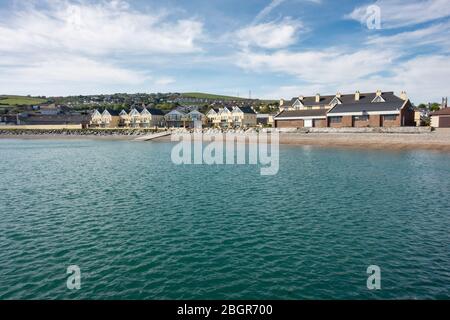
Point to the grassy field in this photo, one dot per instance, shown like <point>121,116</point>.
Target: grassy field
<point>199,95</point>
<point>20,100</point>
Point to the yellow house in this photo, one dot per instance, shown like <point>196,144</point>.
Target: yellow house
<point>96,119</point>
<point>228,117</point>
<point>110,118</point>
<point>124,119</point>
<point>243,117</point>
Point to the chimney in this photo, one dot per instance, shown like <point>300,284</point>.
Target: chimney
<point>301,98</point>
<point>338,95</point>
<point>317,98</point>
<point>281,102</point>
<point>403,95</point>
<point>357,95</point>
<point>378,93</point>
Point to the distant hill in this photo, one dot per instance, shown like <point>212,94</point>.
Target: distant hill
<point>199,95</point>
<point>20,100</point>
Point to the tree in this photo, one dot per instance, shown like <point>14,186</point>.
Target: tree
<point>435,106</point>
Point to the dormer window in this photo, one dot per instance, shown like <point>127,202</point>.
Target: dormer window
<point>335,101</point>
<point>378,99</point>
<point>297,104</point>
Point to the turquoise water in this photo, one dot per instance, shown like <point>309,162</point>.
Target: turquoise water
<point>140,227</point>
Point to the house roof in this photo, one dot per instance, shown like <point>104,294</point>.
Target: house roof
<point>155,112</point>
<point>247,110</point>
<point>302,113</point>
<point>442,112</point>
<point>113,112</point>
<point>367,107</point>
<point>346,99</point>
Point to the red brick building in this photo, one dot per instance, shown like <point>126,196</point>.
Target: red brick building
<point>359,110</point>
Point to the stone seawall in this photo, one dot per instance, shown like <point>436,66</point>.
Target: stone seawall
<point>398,130</point>
<point>76,132</point>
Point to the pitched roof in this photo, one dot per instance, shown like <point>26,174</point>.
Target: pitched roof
<point>247,110</point>
<point>346,99</point>
<point>155,112</point>
<point>302,113</point>
<point>367,107</point>
<point>113,112</point>
<point>442,112</point>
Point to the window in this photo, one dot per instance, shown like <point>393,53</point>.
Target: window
<point>335,119</point>
<point>391,117</point>
<point>361,118</point>
<point>378,99</point>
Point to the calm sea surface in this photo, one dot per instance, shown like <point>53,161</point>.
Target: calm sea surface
<point>140,227</point>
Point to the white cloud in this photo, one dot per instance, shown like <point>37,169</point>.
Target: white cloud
<point>47,76</point>
<point>164,81</point>
<point>270,35</point>
<point>267,10</point>
<point>330,66</point>
<point>424,78</point>
<point>61,46</point>
<point>102,28</point>
<point>437,34</point>
<point>400,13</point>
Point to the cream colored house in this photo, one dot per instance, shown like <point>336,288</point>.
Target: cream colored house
<point>243,117</point>
<point>124,119</point>
<point>110,119</point>
<point>148,117</point>
<point>228,117</point>
<point>196,116</point>
<point>96,119</point>
<point>175,119</point>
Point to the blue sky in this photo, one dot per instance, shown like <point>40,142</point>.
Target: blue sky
<point>275,48</point>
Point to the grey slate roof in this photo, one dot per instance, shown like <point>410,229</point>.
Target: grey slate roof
<point>346,99</point>
<point>302,113</point>
<point>155,112</point>
<point>113,112</point>
<point>367,107</point>
<point>247,110</point>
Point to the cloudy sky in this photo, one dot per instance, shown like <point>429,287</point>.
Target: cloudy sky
<point>275,48</point>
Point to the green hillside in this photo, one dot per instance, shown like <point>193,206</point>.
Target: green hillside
<point>20,100</point>
<point>199,95</point>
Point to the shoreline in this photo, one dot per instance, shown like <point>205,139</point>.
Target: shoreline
<point>435,141</point>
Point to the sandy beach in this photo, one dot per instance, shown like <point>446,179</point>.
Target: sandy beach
<point>438,140</point>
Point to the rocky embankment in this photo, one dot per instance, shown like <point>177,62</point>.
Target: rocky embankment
<point>75,132</point>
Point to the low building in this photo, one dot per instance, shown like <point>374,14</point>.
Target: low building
<point>265,119</point>
<point>441,118</point>
<point>377,109</point>
<point>54,121</point>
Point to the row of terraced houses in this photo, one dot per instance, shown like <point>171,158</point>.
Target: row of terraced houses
<point>226,117</point>
<point>376,109</point>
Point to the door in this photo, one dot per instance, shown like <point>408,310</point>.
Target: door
<point>309,123</point>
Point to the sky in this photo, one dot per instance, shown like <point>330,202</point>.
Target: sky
<point>264,48</point>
